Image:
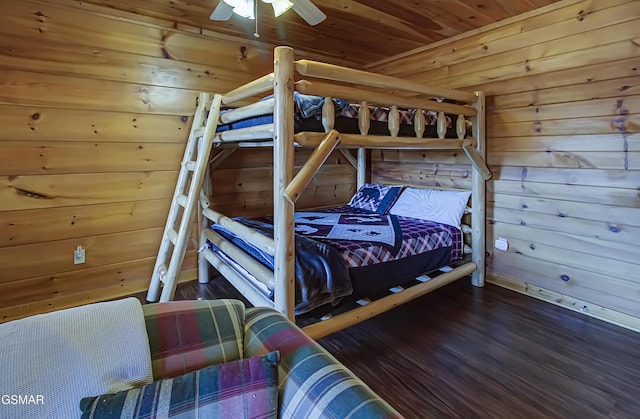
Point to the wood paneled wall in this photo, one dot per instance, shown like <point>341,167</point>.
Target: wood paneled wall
<point>243,184</point>
<point>563,88</point>
<point>95,108</point>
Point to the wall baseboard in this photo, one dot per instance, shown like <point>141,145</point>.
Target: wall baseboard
<point>583,307</point>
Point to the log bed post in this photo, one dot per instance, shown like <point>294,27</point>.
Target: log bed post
<point>364,122</point>
<point>478,198</point>
<point>283,139</point>
<point>203,223</point>
<point>362,166</point>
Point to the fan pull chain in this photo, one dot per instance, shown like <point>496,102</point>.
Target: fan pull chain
<point>255,13</point>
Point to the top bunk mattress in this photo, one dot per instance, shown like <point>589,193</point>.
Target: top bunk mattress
<point>308,118</point>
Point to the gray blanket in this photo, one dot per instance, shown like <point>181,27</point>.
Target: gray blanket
<point>321,273</point>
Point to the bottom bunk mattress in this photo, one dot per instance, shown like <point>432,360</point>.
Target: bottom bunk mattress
<point>345,251</point>
<point>374,265</point>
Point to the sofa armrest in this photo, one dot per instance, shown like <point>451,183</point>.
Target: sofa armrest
<point>313,384</point>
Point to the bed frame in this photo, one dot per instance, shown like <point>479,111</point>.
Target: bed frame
<point>331,81</point>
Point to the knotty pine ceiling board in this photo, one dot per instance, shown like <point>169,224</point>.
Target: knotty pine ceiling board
<point>361,31</point>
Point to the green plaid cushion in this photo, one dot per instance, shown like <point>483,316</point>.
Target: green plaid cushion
<point>185,336</point>
<point>313,384</point>
<point>247,388</point>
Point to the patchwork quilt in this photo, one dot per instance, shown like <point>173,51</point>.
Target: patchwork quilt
<point>374,228</point>
<point>418,236</point>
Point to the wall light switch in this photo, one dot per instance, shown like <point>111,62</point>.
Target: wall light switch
<point>502,244</point>
<point>78,256</point>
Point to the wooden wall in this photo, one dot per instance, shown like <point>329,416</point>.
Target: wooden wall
<point>563,86</point>
<point>243,184</point>
<point>95,107</point>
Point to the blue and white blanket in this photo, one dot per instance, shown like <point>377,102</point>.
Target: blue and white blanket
<point>306,106</point>
<point>377,228</point>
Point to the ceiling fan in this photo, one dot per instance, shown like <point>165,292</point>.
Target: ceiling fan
<point>247,9</point>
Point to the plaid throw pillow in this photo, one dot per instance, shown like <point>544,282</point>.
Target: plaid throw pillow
<point>375,198</point>
<point>185,336</point>
<point>247,388</point>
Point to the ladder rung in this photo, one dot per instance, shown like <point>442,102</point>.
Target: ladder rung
<point>198,132</point>
<point>182,200</point>
<point>172,236</point>
<point>190,165</point>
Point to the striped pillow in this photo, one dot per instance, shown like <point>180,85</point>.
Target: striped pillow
<point>247,388</point>
<point>185,336</point>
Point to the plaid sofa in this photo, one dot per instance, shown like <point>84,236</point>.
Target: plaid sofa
<point>188,335</point>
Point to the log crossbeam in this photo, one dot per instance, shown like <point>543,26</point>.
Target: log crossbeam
<point>347,155</point>
<point>348,75</point>
<point>312,139</point>
<point>247,234</point>
<point>316,160</point>
<point>256,87</point>
<point>476,159</point>
<point>357,315</point>
<point>259,108</point>
<point>255,268</point>
<point>247,289</point>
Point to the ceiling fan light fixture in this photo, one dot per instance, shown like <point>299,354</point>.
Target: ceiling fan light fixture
<point>279,6</point>
<point>308,11</point>
<point>243,8</point>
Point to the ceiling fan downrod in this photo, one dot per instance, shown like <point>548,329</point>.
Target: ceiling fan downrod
<point>255,13</point>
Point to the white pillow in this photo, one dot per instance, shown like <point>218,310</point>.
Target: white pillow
<point>445,207</point>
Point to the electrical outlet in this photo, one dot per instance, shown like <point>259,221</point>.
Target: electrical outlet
<point>502,244</point>
<point>78,256</point>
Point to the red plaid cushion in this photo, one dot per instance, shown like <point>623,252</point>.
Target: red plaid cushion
<point>246,388</point>
<point>188,335</point>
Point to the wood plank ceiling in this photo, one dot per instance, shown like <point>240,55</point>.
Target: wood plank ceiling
<point>362,31</point>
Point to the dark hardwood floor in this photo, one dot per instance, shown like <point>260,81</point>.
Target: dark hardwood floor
<point>465,352</point>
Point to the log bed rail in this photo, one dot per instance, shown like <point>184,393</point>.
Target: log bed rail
<point>331,81</point>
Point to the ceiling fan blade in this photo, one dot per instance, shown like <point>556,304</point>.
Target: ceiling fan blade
<point>222,12</point>
<point>308,11</point>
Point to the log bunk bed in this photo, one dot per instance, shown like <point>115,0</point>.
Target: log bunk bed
<point>325,81</point>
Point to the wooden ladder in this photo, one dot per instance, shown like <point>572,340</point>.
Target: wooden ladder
<point>185,199</point>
